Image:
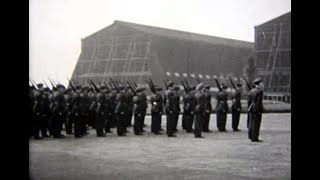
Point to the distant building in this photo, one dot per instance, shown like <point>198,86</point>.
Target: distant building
<point>272,47</point>
<point>127,51</point>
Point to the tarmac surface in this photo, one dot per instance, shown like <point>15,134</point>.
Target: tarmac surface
<point>229,155</point>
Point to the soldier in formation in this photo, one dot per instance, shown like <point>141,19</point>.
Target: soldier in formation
<point>104,107</point>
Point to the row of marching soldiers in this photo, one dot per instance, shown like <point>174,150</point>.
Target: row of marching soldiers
<point>104,108</point>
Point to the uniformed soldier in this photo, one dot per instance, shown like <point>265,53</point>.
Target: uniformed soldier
<point>69,119</point>
<point>199,110</point>
<point>138,110</point>
<point>110,112</point>
<point>58,111</point>
<point>120,111</point>
<point>45,120</point>
<point>176,106</point>
<point>102,110</point>
<point>92,109</point>
<point>249,103</point>
<point>38,109</point>
<point>32,90</point>
<point>84,109</point>
<point>145,107</point>
<point>208,109</point>
<point>188,109</point>
<point>222,108</point>
<point>76,114</point>
<point>156,101</point>
<point>129,96</point>
<point>169,109</point>
<point>236,106</point>
<point>113,97</point>
<point>256,110</point>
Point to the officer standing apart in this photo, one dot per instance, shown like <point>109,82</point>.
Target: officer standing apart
<point>256,110</point>
<point>138,110</point>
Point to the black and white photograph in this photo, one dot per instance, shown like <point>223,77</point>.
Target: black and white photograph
<point>159,89</point>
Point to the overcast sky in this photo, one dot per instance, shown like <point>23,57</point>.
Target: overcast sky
<point>57,26</point>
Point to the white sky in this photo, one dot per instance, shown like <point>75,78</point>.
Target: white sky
<point>57,26</point>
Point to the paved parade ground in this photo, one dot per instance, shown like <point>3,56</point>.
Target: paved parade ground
<point>229,155</point>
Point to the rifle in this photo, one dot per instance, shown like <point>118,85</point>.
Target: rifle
<point>186,82</point>
<point>131,88</point>
<point>165,83</point>
<point>153,89</point>
<point>33,84</point>
<point>184,86</point>
<point>198,81</point>
<point>53,86</point>
<point>135,84</point>
<point>95,87</point>
<point>72,87</point>
<point>234,86</point>
<point>218,84</point>
<point>248,84</point>
<point>45,84</point>
<point>115,86</point>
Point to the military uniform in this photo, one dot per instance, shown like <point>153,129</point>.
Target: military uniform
<point>199,111</point>
<point>69,119</point>
<point>208,110</point>
<point>188,110</point>
<point>76,113</point>
<point>102,110</point>
<point>236,107</point>
<point>112,98</point>
<point>38,109</point>
<point>222,109</point>
<point>176,107</point>
<point>169,109</point>
<point>156,111</point>
<point>120,111</point>
<point>138,110</point>
<point>145,107</point>
<point>129,96</point>
<point>46,115</point>
<point>58,111</point>
<point>256,110</point>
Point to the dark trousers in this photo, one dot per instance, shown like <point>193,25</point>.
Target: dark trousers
<point>78,124</point>
<point>44,126</point>
<point>129,118</point>
<point>170,123</point>
<point>248,119</point>
<point>37,125</point>
<point>108,123</point>
<point>206,120</point>
<point>176,119</point>
<point>121,126</point>
<point>69,124</point>
<point>100,123</point>
<point>235,119</point>
<point>143,117</point>
<point>138,124</point>
<point>155,122</point>
<point>83,123</point>
<point>198,124</point>
<point>189,118</point>
<point>184,120</point>
<point>56,124</point>
<point>254,126</point>
<point>221,120</point>
<point>113,120</point>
